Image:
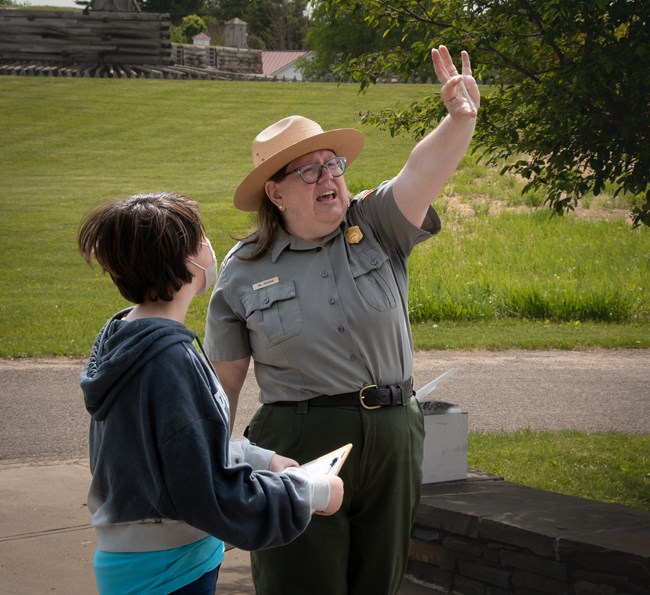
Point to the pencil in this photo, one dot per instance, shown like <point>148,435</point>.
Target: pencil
<point>463,90</point>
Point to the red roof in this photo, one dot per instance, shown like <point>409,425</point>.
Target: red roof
<point>274,61</point>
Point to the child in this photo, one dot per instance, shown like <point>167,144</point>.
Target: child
<point>167,485</point>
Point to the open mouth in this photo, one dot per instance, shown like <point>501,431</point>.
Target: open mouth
<point>326,196</point>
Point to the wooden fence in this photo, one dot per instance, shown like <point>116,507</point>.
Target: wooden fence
<point>222,59</point>
<point>134,38</point>
<point>112,45</point>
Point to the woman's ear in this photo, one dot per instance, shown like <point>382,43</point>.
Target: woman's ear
<point>274,194</point>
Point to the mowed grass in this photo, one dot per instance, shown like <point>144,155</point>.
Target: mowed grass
<point>603,466</point>
<point>69,144</point>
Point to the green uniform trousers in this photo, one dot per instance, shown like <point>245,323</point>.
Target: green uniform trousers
<point>363,548</point>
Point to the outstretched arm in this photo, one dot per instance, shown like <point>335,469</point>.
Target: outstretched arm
<point>437,155</point>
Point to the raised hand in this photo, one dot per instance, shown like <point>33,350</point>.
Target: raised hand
<point>459,91</point>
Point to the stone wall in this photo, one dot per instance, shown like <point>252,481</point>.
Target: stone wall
<point>493,537</point>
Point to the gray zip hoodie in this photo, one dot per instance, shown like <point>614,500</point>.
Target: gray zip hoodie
<point>160,452</point>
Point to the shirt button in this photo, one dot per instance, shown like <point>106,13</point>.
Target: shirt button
<point>373,262</point>
<point>341,329</point>
<point>353,357</point>
<point>324,274</point>
<point>266,301</point>
<point>332,301</point>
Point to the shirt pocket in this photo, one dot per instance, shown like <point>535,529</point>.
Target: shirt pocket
<point>374,278</point>
<point>273,313</point>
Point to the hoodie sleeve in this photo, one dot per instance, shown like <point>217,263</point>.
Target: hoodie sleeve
<point>251,510</point>
<point>243,451</point>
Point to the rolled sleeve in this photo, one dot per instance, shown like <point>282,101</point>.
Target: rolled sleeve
<point>378,207</point>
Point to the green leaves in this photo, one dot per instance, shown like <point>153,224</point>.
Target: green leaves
<point>571,95</point>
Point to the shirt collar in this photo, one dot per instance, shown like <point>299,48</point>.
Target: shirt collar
<point>284,240</point>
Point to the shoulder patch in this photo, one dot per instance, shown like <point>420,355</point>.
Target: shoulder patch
<point>365,194</point>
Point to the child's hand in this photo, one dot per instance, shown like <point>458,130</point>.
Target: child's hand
<point>336,496</point>
<point>280,463</point>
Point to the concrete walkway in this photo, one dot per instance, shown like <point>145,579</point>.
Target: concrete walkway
<point>46,543</point>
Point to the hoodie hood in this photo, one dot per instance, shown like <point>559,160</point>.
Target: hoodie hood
<point>120,351</point>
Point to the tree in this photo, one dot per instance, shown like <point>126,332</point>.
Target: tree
<point>225,10</point>
<point>279,24</point>
<point>339,35</point>
<point>177,9</point>
<point>190,26</point>
<point>571,111</point>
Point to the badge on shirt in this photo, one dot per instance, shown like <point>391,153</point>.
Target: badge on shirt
<point>353,234</point>
<point>266,283</point>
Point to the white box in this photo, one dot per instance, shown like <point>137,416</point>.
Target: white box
<point>445,447</point>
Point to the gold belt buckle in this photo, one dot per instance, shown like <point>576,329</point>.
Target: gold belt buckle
<point>361,397</point>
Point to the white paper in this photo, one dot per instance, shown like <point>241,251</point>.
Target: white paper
<point>328,464</point>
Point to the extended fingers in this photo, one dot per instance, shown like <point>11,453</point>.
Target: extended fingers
<point>453,83</point>
<point>444,65</point>
<point>466,64</point>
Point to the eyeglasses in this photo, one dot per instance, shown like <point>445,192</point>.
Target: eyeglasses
<point>310,174</point>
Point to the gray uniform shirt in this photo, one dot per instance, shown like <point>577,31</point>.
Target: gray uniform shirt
<point>324,318</point>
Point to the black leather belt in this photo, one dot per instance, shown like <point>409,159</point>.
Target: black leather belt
<point>368,397</point>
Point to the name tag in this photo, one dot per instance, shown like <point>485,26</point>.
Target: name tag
<point>266,283</point>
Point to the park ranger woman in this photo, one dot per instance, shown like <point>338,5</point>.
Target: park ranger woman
<point>317,297</point>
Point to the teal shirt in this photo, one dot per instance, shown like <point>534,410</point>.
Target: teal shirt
<point>157,572</point>
<point>323,318</point>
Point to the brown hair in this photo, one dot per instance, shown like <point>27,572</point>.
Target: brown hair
<point>142,242</point>
<point>268,222</point>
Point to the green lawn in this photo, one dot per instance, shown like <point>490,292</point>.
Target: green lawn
<point>69,144</point>
<point>498,263</point>
<point>603,466</point>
